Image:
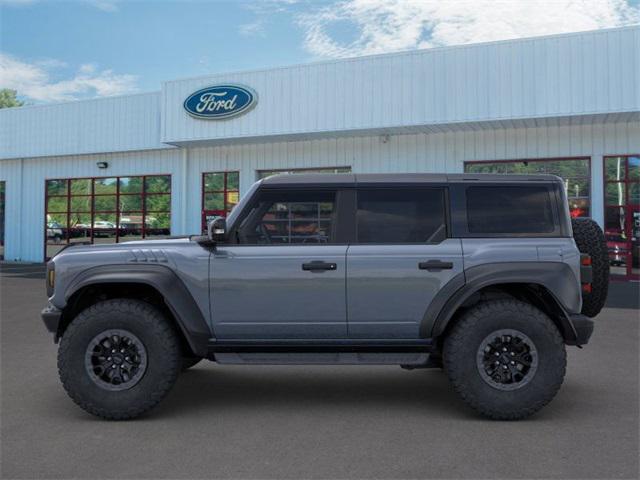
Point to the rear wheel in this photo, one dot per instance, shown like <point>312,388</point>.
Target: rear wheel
<point>590,240</point>
<point>119,358</point>
<point>505,358</point>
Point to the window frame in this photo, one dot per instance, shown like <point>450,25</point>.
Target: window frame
<point>444,188</point>
<point>205,212</point>
<point>92,212</point>
<point>303,170</point>
<point>629,275</point>
<point>3,216</point>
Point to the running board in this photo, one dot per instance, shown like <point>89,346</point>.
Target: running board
<point>320,346</point>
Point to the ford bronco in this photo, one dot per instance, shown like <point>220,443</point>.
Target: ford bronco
<point>485,276</point>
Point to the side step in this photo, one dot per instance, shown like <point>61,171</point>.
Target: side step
<point>320,346</point>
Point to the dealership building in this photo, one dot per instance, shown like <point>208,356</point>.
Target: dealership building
<point>155,164</point>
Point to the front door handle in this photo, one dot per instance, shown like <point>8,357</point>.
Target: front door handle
<point>435,265</point>
<point>319,266</point>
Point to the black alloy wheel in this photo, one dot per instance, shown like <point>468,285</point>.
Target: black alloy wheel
<point>507,359</point>
<point>116,359</point>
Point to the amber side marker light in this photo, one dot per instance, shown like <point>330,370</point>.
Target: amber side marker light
<point>51,278</point>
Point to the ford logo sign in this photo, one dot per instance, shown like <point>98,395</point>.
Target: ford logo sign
<point>220,101</point>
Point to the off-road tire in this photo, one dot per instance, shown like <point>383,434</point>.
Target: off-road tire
<point>189,361</point>
<point>151,327</point>
<point>460,351</point>
<point>591,240</point>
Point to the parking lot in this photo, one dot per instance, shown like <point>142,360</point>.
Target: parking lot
<point>316,422</point>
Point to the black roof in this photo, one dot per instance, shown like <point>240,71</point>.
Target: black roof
<point>339,179</point>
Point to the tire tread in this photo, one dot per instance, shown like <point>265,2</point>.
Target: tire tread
<point>455,345</point>
<point>155,321</point>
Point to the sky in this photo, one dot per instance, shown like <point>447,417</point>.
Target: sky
<point>52,50</point>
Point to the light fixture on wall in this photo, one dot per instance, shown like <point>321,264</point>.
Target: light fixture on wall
<point>102,164</point>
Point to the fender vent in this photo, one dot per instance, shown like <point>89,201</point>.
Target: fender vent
<point>149,255</point>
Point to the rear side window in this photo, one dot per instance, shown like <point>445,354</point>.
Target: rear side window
<point>522,210</point>
<point>401,216</point>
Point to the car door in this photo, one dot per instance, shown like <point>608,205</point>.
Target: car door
<point>400,260</point>
<point>285,278</point>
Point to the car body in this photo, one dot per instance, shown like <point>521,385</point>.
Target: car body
<point>344,269</point>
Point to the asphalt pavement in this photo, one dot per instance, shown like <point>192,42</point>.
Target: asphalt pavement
<point>316,421</point>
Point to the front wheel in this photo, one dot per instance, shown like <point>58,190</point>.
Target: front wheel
<point>505,358</point>
<point>119,358</point>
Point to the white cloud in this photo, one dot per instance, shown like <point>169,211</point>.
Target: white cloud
<point>252,28</point>
<point>391,25</point>
<point>35,82</point>
<point>104,5</point>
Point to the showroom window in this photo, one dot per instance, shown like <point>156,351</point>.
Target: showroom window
<point>2,187</point>
<point>268,173</point>
<point>220,193</point>
<point>106,210</point>
<point>576,173</point>
<point>622,214</point>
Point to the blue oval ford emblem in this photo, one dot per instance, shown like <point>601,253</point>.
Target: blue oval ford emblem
<point>220,101</point>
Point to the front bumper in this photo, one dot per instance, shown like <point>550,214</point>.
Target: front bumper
<point>51,317</point>
<point>583,326</point>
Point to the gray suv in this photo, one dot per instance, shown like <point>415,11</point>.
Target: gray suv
<point>484,276</point>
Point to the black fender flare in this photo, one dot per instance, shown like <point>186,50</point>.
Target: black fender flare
<point>164,280</point>
<point>556,277</point>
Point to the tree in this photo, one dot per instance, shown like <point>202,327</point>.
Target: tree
<point>8,98</point>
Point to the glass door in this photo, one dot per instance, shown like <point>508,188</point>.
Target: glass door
<point>622,214</point>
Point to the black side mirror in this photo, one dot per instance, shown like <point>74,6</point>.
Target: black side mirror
<point>217,230</point>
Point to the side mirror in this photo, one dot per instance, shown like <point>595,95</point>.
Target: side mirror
<point>217,230</point>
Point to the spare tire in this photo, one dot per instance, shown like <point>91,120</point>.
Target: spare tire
<point>590,240</point>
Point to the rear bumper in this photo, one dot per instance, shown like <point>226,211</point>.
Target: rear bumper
<point>51,317</point>
<point>583,327</point>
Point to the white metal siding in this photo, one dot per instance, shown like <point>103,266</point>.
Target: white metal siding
<point>436,152</point>
<point>558,76</point>
<point>112,124</point>
<point>25,190</point>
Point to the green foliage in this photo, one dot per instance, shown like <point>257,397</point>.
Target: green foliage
<point>8,98</point>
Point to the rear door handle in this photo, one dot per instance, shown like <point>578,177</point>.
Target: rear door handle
<point>319,266</point>
<point>435,265</point>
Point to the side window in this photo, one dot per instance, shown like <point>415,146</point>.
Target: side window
<point>414,215</point>
<point>290,218</point>
<point>509,209</point>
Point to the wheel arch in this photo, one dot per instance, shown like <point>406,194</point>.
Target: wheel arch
<point>156,284</point>
<point>551,287</point>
